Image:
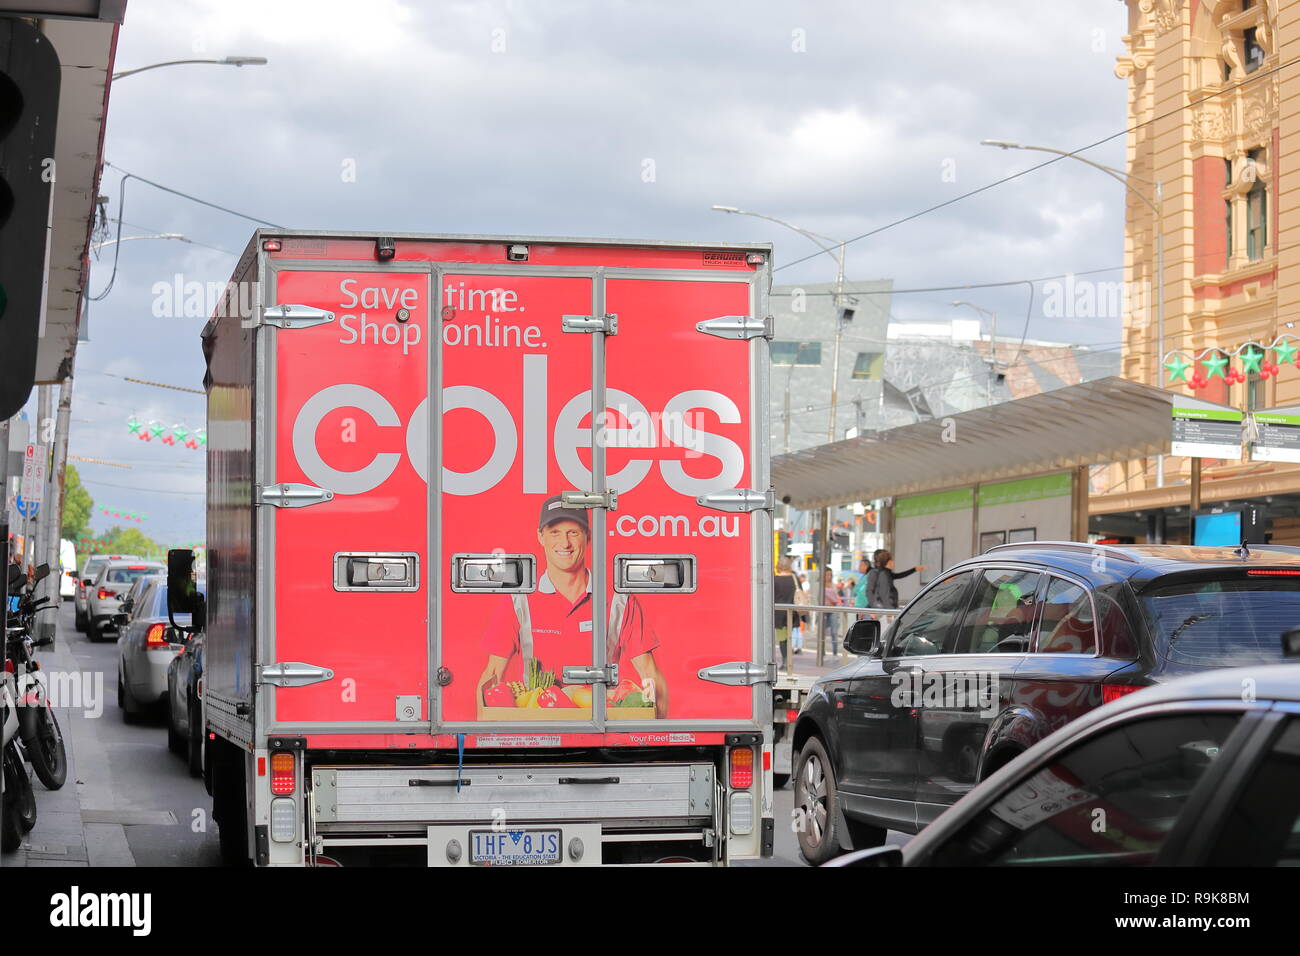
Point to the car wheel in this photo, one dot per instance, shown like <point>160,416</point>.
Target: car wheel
<point>194,740</point>
<point>125,702</point>
<point>79,622</point>
<point>175,742</point>
<point>816,805</point>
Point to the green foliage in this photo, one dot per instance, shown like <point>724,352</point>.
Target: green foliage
<point>121,540</point>
<point>77,506</point>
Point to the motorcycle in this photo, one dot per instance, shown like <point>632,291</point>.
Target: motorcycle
<point>17,801</point>
<point>38,728</point>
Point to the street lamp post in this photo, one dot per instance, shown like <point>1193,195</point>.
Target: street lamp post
<point>225,61</point>
<point>993,344</point>
<point>1157,208</point>
<point>838,256</point>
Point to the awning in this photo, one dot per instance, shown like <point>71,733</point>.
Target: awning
<point>84,34</point>
<point>1105,420</point>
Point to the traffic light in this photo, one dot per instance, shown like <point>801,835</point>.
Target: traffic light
<point>29,105</point>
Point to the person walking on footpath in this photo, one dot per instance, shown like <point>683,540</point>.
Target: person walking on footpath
<point>784,586</point>
<point>883,592</point>
<point>861,597</point>
<point>831,598</point>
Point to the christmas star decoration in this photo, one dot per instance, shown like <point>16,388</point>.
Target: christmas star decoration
<point>1251,358</point>
<point>1177,369</point>
<point>1214,365</point>
<point>1285,352</point>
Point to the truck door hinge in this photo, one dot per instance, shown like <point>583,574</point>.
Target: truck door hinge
<point>290,495</point>
<point>739,499</point>
<point>295,316</point>
<point>607,323</point>
<point>590,499</point>
<point>739,673</point>
<point>293,674</point>
<point>738,327</point>
<point>592,675</point>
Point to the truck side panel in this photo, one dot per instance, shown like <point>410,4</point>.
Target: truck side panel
<point>229,651</point>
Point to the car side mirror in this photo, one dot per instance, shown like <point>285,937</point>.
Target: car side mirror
<point>1291,643</point>
<point>183,595</point>
<point>873,856</point>
<point>87,582</point>
<point>863,636</point>
<point>127,605</point>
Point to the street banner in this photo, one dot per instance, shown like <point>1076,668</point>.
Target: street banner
<point>1278,436</point>
<point>1206,430</point>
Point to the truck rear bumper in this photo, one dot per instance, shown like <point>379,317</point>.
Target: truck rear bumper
<point>605,808</point>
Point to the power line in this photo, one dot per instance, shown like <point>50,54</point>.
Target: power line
<point>192,198</point>
<point>1056,159</point>
<point>160,491</point>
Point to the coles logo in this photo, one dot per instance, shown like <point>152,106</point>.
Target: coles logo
<point>678,424</point>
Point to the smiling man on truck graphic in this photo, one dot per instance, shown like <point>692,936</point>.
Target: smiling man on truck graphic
<point>553,625</point>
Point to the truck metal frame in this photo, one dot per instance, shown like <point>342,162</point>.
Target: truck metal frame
<point>671,788</point>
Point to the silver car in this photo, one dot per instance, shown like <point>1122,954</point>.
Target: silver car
<point>104,598</point>
<point>145,649</point>
<point>86,580</point>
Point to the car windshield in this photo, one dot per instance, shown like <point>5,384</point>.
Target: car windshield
<point>1224,623</point>
<point>129,575</point>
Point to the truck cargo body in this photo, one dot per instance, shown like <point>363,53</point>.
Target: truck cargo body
<point>419,449</point>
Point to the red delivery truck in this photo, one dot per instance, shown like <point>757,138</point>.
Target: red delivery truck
<point>489,552</point>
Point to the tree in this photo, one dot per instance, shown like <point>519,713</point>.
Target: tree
<point>130,541</point>
<point>77,506</point>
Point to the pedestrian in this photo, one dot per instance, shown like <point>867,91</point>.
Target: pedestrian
<point>861,598</point>
<point>831,598</point>
<point>801,596</point>
<point>883,591</point>
<point>784,586</point>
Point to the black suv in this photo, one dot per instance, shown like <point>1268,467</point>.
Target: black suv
<point>1005,648</point>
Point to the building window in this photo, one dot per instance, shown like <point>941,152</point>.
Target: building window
<point>1254,52</point>
<point>796,353</point>
<point>1254,391</point>
<point>869,366</point>
<point>1256,209</point>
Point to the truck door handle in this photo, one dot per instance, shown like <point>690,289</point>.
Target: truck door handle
<point>588,780</point>
<point>438,783</point>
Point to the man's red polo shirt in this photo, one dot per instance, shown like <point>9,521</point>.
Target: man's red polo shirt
<point>562,632</point>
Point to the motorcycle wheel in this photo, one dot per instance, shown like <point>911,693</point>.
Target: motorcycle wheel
<point>19,814</point>
<point>47,753</point>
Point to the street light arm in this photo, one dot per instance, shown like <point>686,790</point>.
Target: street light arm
<point>228,61</point>
<point>816,237</point>
<point>1118,175</point>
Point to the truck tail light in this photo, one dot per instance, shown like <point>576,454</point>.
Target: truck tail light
<point>282,767</point>
<point>154,636</point>
<point>1111,692</point>
<point>105,594</point>
<point>742,768</point>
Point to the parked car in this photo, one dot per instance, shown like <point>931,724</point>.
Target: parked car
<point>145,649</point>
<point>111,585</point>
<point>184,699</point>
<point>1006,648</point>
<point>86,580</point>
<point>1202,771</point>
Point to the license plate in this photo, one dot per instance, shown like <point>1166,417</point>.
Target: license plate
<point>514,847</point>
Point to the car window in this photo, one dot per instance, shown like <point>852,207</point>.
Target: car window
<point>1225,622</point>
<point>1263,826</point>
<point>1067,625</point>
<point>143,600</point>
<point>926,627</point>
<point>1001,613</point>
<point>1110,801</point>
<point>126,575</point>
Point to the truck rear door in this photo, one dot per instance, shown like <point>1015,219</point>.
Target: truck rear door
<point>343,498</point>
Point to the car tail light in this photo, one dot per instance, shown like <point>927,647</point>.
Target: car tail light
<point>1111,692</point>
<point>154,637</point>
<point>742,768</point>
<point>282,773</point>
<point>1279,573</point>
<point>105,594</point>
<point>137,567</point>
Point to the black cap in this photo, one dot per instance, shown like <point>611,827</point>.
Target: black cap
<point>554,509</point>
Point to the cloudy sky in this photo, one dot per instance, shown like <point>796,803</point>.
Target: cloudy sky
<point>561,117</point>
